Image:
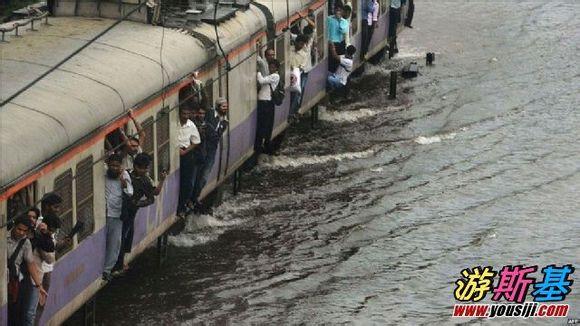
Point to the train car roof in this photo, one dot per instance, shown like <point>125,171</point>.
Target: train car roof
<point>236,31</point>
<point>117,72</point>
<point>279,10</point>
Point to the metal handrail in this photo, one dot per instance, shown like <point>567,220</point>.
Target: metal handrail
<point>25,23</point>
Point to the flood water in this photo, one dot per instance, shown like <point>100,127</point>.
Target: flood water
<point>369,217</point>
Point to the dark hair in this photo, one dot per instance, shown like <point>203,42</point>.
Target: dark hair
<point>50,198</point>
<point>308,30</point>
<point>338,6</point>
<point>185,108</point>
<point>24,220</point>
<point>295,29</point>
<point>350,50</point>
<point>52,221</point>
<point>35,210</point>
<point>142,160</point>
<point>134,138</point>
<point>269,49</point>
<point>115,158</point>
<point>302,38</point>
<point>275,63</point>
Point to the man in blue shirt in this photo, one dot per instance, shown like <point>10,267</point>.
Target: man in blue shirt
<point>337,31</point>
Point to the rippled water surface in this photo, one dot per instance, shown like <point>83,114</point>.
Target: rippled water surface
<point>369,217</point>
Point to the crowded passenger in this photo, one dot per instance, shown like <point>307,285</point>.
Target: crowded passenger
<point>301,58</point>
<point>44,256</point>
<point>33,214</point>
<point>394,19</point>
<point>23,274</point>
<point>118,190</point>
<point>144,193</point>
<point>214,123</point>
<point>266,108</point>
<point>339,79</point>
<point>188,139</point>
<point>50,207</point>
<point>338,31</point>
<point>410,13</point>
<point>370,19</point>
<point>132,145</point>
<point>269,56</point>
<point>347,14</point>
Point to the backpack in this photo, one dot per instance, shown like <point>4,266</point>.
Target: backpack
<point>278,94</point>
<point>13,277</point>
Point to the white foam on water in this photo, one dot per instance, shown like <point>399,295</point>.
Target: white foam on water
<point>434,139</point>
<point>202,229</point>
<point>376,69</point>
<point>287,161</point>
<point>346,116</point>
<point>415,54</point>
<point>204,221</point>
<point>187,240</point>
<point>379,169</point>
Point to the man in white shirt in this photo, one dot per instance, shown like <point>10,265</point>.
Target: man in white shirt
<point>297,61</point>
<point>301,58</point>
<point>339,79</point>
<point>187,138</point>
<point>117,185</point>
<point>266,108</point>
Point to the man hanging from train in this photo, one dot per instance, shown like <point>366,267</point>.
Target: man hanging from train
<point>50,205</point>
<point>22,271</point>
<point>297,64</point>
<point>301,57</point>
<point>44,256</point>
<point>118,191</point>
<point>133,144</point>
<point>394,19</point>
<point>214,123</point>
<point>370,20</point>
<point>338,30</point>
<point>188,139</point>
<point>269,56</point>
<point>410,13</point>
<point>144,193</point>
<point>338,80</point>
<point>266,108</point>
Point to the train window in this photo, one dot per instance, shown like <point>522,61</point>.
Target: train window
<point>281,56</point>
<point>208,88</point>
<point>163,160</point>
<point>354,17</point>
<point>21,201</point>
<point>196,95</point>
<point>63,187</point>
<point>115,139</point>
<point>84,197</point>
<point>147,143</point>
<point>321,45</point>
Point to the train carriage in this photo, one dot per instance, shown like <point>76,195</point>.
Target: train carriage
<point>52,135</point>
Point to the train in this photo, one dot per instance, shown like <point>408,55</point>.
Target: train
<point>57,114</point>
